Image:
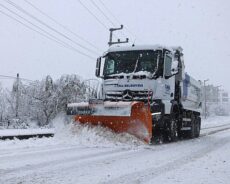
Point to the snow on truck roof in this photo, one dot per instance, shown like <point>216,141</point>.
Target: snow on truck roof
<point>142,47</point>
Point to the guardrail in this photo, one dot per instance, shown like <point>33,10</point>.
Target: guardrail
<point>25,133</point>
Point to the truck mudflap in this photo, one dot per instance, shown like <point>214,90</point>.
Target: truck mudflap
<point>122,117</point>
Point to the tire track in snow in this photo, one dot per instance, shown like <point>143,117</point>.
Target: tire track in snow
<point>217,126</point>
<point>150,173</point>
<point>42,151</point>
<point>72,161</point>
<point>54,169</point>
<point>214,131</point>
<point>53,174</point>
<point>33,148</point>
<point>64,163</point>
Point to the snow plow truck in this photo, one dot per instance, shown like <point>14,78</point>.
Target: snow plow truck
<point>144,92</point>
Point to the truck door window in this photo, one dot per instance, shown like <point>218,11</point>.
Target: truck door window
<point>167,66</point>
<point>110,67</point>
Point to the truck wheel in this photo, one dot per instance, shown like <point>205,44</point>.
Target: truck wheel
<point>157,136</point>
<point>197,127</point>
<point>173,130</point>
<point>193,128</point>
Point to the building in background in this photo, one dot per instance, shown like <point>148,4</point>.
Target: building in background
<point>223,105</point>
<point>217,101</point>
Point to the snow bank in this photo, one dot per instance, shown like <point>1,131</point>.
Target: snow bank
<point>70,133</point>
<point>75,133</point>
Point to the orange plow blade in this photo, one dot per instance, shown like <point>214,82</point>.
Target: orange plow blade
<point>130,117</point>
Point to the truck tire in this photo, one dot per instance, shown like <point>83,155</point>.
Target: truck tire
<point>191,132</point>
<point>172,129</point>
<point>197,127</point>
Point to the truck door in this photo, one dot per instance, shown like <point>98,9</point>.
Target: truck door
<point>169,79</point>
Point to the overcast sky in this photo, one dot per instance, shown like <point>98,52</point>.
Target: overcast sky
<point>200,27</point>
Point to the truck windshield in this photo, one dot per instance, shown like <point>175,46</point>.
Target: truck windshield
<point>130,62</point>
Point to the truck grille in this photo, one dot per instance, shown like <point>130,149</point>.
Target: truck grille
<point>127,95</point>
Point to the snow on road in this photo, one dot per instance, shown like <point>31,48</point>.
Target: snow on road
<point>95,155</point>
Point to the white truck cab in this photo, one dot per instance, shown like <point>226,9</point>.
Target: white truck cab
<point>155,75</point>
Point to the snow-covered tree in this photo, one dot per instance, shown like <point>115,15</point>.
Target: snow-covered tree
<point>3,104</point>
<point>41,101</point>
<point>69,89</point>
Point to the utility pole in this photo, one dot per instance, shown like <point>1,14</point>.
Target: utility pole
<point>205,100</point>
<point>118,40</point>
<point>17,95</point>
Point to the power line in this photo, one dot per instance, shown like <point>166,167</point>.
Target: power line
<point>31,82</point>
<point>93,15</point>
<point>51,37</point>
<point>12,77</point>
<point>102,12</point>
<point>25,24</point>
<point>109,11</point>
<point>43,23</point>
<point>115,18</point>
<point>61,25</point>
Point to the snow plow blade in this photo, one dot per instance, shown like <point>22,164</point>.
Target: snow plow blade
<point>129,117</point>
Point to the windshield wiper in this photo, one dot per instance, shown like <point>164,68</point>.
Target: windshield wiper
<point>136,65</point>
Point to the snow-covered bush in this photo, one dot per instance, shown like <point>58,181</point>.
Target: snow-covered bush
<point>40,101</point>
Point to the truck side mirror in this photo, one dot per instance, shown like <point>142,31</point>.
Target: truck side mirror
<point>167,66</point>
<point>98,67</point>
<point>175,68</point>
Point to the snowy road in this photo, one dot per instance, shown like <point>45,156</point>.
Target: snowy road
<point>95,160</point>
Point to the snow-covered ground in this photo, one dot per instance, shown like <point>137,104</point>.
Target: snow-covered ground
<point>95,155</point>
